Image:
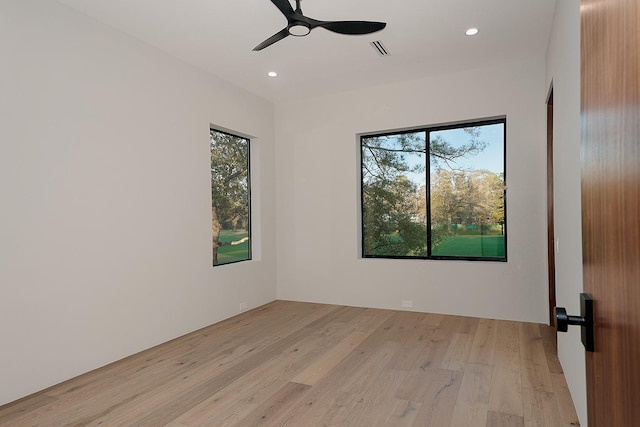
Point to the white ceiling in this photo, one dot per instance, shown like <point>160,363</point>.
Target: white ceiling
<point>424,37</point>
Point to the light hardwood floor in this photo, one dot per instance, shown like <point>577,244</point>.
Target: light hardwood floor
<point>304,365</point>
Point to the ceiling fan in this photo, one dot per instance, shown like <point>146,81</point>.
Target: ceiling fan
<point>299,25</point>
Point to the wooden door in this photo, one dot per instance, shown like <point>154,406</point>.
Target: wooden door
<point>610,145</point>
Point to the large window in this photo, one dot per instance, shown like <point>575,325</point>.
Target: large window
<point>435,193</point>
<point>230,198</point>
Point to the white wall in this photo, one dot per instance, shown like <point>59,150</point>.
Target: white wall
<point>317,180</point>
<point>563,68</point>
<point>105,244</point>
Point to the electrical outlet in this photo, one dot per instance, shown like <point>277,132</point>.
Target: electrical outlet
<point>407,303</point>
<point>243,306</point>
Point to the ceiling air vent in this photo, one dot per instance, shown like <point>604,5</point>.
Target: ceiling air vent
<point>379,47</point>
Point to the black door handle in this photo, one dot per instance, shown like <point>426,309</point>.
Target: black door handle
<point>563,320</point>
<point>585,321</point>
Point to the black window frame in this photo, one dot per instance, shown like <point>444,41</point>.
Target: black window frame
<point>249,207</point>
<point>427,130</point>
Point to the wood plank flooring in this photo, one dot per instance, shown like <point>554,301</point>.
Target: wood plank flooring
<point>303,365</point>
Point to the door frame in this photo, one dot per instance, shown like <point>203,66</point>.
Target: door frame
<point>551,255</point>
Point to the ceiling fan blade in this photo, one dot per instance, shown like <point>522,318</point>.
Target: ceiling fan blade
<point>271,40</point>
<point>351,27</point>
<point>284,6</point>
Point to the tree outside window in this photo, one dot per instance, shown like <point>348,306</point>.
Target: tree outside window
<point>230,198</point>
<point>444,199</point>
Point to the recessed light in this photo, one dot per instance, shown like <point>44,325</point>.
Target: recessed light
<point>471,31</point>
<point>272,74</point>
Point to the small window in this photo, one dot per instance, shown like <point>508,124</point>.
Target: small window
<point>230,198</point>
<point>435,193</point>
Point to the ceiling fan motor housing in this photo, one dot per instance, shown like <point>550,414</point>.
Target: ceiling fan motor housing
<point>299,29</point>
